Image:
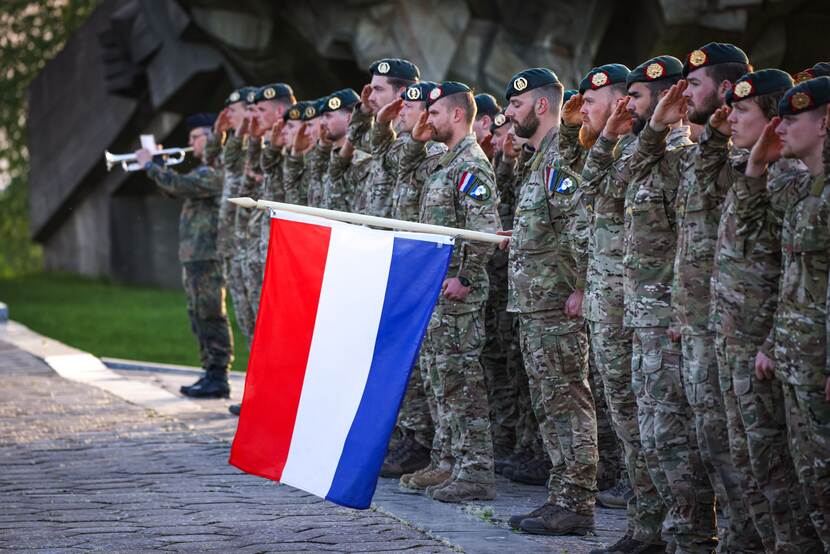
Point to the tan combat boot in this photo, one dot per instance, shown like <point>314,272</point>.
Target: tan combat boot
<point>463,491</point>
<point>427,477</point>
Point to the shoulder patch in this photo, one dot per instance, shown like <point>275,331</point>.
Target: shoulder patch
<point>560,181</point>
<point>473,187</point>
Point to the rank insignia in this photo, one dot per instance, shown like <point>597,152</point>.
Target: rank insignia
<point>560,181</point>
<point>468,184</point>
<point>269,93</point>
<point>697,58</point>
<point>655,71</point>
<point>743,89</point>
<point>383,68</point>
<point>802,76</point>
<point>599,79</point>
<point>310,111</point>
<point>251,97</point>
<point>334,103</point>
<point>520,83</point>
<point>499,120</point>
<point>413,93</point>
<point>234,97</point>
<point>800,100</point>
<point>435,93</point>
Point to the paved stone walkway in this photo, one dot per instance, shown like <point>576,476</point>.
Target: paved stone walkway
<point>84,470</point>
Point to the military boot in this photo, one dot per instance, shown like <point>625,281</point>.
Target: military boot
<point>627,545</point>
<point>213,385</point>
<point>514,461</point>
<point>408,457</point>
<point>235,409</point>
<point>535,471</point>
<point>616,497</point>
<point>185,388</point>
<point>515,522</point>
<point>463,491</point>
<point>427,477</point>
<point>556,520</point>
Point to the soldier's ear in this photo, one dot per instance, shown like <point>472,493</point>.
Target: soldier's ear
<point>541,106</point>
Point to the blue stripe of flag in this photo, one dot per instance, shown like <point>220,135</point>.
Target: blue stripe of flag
<point>416,273</point>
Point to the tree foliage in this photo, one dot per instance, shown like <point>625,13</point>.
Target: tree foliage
<point>31,34</point>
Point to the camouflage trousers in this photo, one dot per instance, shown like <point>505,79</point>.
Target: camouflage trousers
<point>528,435</point>
<point>252,273</point>
<point>451,352</point>
<point>501,358</point>
<point>702,384</point>
<point>669,441</point>
<point>415,417</point>
<point>611,349</point>
<point>808,424</point>
<point>759,449</point>
<point>557,371</point>
<point>239,296</point>
<point>608,445</point>
<point>204,286</point>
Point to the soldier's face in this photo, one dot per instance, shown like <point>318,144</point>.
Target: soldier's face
<point>499,136</point>
<point>265,114</point>
<point>336,123</point>
<point>747,122</point>
<point>236,112</point>
<point>802,134</point>
<point>409,115</point>
<point>596,109</point>
<point>640,105</point>
<point>439,121</point>
<point>481,127</point>
<point>382,93</point>
<point>197,139</point>
<point>314,128</point>
<point>702,96</point>
<point>289,131</point>
<point>522,111</point>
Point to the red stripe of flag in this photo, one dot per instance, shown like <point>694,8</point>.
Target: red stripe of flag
<point>297,254</point>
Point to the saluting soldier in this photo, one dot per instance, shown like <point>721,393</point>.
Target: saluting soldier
<point>202,273</point>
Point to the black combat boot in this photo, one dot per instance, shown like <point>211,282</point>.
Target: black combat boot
<point>235,409</point>
<point>213,385</point>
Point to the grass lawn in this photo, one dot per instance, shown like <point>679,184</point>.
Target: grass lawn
<point>109,319</point>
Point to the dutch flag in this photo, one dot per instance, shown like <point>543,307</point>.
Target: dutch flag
<point>343,311</point>
<point>466,183</point>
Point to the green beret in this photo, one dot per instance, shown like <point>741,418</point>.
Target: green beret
<point>499,120</point>
<point>568,94</point>
<point>713,53</point>
<point>313,108</point>
<point>444,89</point>
<point>239,95</point>
<point>296,111</point>
<point>340,99</point>
<point>273,92</point>
<point>821,69</point>
<point>656,69</point>
<point>530,79</point>
<point>395,67</point>
<point>765,81</point>
<point>418,92</point>
<point>604,75</point>
<point>486,104</point>
<point>807,96</point>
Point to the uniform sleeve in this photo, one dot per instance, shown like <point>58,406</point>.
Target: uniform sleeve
<point>413,153</point>
<point>569,148</point>
<point>213,149</point>
<point>360,127</point>
<point>203,182</point>
<point>340,195</point>
<point>295,188</point>
<point>577,232</point>
<point>599,170</point>
<point>383,135</point>
<point>651,149</point>
<point>478,215</point>
<point>711,165</point>
<point>233,158</point>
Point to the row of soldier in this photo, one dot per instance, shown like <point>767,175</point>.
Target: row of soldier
<point>664,282</point>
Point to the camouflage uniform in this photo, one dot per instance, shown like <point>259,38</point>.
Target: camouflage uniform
<point>343,179</point>
<point>700,195</point>
<point>233,159</point>
<point>295,179</point>
<point>744,291</point>
<point>455,336</point>
<point>411,166</point>
<point>271,163</point>
<point>799,338</point>
<point>604,175</point>
<point>317,163</point>
<point>548,254</point>
<point>202,273</point>
<point>253,265</point>
<point>667,431</point>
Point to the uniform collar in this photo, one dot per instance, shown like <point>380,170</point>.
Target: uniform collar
<point>462,145</point>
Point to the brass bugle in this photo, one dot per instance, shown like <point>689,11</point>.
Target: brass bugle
<point>172,156</point>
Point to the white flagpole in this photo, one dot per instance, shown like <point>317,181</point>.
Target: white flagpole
<point>361,219</point>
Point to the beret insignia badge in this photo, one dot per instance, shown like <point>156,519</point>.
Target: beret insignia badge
<point>743,89</point>
<point>334,103</point>
<point>520,83</point>
<point>802,76</point>
<point>413,93</point>
<point>697,58</point>
<point>383,68</point>
<point>499,120</point>
<point>310,111</point>
<point>800,100</point>
<point>251,96</point>
<point>655,71</point>
<point>269,93</point>
<point>435,93</point>
<point>234,97</point>
<point>294,113</point>
<point>599,79</point>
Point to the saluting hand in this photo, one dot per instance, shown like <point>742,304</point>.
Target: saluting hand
<point>223,122</point>
<point>302,140</point>
<point>720,120</point>
<point>365,92</point>
<point>422,131</point>
<point>620,123</point>
<point>390,111</point>
<point>766,150</point>
<point>243,128</point>
<point>570,111</point>
<point>671,108</point>
<point>276,135</point>
<point>487,146</point>
<point>255,132</point>
<point>509,149</point>
<point>347,151</point>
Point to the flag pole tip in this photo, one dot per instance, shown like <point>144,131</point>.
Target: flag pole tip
<point>243,201</point>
